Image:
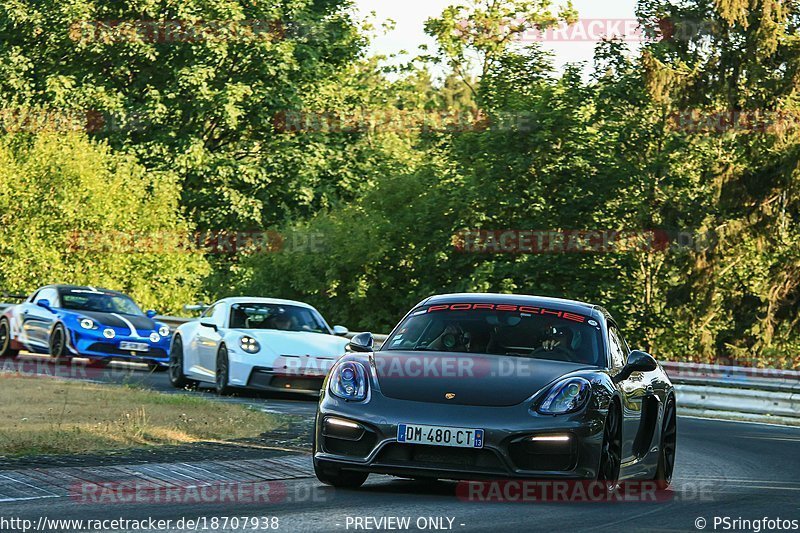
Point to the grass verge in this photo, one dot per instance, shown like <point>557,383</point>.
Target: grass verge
<point>50,416</point>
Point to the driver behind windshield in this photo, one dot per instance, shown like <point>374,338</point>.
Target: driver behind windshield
<point>281,321</point>
<point>452,339</point>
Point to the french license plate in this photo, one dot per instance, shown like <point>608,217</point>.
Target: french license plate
<point>134,346</point>
<point>440,436</point>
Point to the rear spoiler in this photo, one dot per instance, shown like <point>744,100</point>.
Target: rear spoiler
<point>196,307</point>
<point>12,296</point>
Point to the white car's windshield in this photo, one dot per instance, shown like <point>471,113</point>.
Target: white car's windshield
<point>276,316</point>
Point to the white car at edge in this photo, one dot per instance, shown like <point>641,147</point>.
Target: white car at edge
<point>256,343</point>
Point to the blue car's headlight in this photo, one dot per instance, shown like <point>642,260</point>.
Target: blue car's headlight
<point>87,323</point>
<point>163,331</point>
<point>349,381</point>
<point>566,396</point>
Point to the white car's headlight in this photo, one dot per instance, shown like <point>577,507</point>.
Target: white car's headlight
<point>87,323</point>
<point>566,396</point>
<point>249,344</point>
<point>349,381</point>
<point>163,331</point>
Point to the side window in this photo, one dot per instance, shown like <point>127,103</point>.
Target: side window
<point>616,348</point>
<point>47,294</point>
<point>208,312</point>
<point>219,315</point>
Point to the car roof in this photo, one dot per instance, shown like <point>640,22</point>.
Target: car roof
<point>65,287</point>
<point>257,300</point>
<point>560,304</point>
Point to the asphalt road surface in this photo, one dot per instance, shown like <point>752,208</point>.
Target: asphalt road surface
<point>729,477</point>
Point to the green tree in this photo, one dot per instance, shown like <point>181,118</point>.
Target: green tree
<point>193,87</point>
<point>72,211</point>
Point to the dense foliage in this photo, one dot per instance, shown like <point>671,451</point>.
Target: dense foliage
<point>373,175</point>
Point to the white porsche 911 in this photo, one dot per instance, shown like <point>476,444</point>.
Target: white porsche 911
<point>256,343</point>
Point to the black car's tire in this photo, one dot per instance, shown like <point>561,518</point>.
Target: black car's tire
<point>611,450</point>
<point>666,453</point>
<point>342,479</point>
<point>5,340</point>
<point>223,372</point>
<point>176,376</point>
<point>58,343</point>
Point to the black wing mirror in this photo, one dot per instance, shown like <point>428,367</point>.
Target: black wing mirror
<point>638,361</point>
<point>363,342</point>
<point>211,325</point>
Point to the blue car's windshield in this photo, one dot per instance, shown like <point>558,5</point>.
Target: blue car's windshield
<point>101,302</point>
<point>485,328</point>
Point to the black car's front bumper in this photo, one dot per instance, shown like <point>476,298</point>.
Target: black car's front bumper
<point>508,450</point>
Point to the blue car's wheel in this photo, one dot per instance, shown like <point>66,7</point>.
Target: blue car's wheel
<point>58,343</point>
<point>5,340</point>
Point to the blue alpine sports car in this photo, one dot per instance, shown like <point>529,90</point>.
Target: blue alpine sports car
<point>68,321</point>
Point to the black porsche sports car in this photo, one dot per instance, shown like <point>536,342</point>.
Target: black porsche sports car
<point>486,386</point>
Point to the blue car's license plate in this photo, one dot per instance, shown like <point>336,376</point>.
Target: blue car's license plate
<point>440,435</point>
<point>134,346</point>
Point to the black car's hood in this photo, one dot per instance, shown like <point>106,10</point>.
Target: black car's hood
<point>142,324</point>
<point>489,380</point>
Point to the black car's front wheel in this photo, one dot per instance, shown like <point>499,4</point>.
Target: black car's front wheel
<point>343,479</point>
<point>5,340</point>
<point>611,451</point>
<point>666,454</point>
<point>58,343</point>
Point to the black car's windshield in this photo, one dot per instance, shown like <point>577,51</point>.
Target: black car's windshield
<point>276,316</point>
<point>101,302</point>
<point>486,328</point>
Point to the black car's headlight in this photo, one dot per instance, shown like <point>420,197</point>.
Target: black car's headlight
<point>163,331</point>
<point>87,323</point>
<point>249,344</point>
<point>566,396</point>
<point>349,381</point>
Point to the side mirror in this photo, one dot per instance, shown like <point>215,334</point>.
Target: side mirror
<point>44,303</point>
<point>210,325</point>
<point>638,361</point>
<point>340,331</point>
<point>150,313</point>
<point>363,342</point>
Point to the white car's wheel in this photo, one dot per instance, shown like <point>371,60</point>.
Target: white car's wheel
<point>222,375</point>
<point>176,376</point>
